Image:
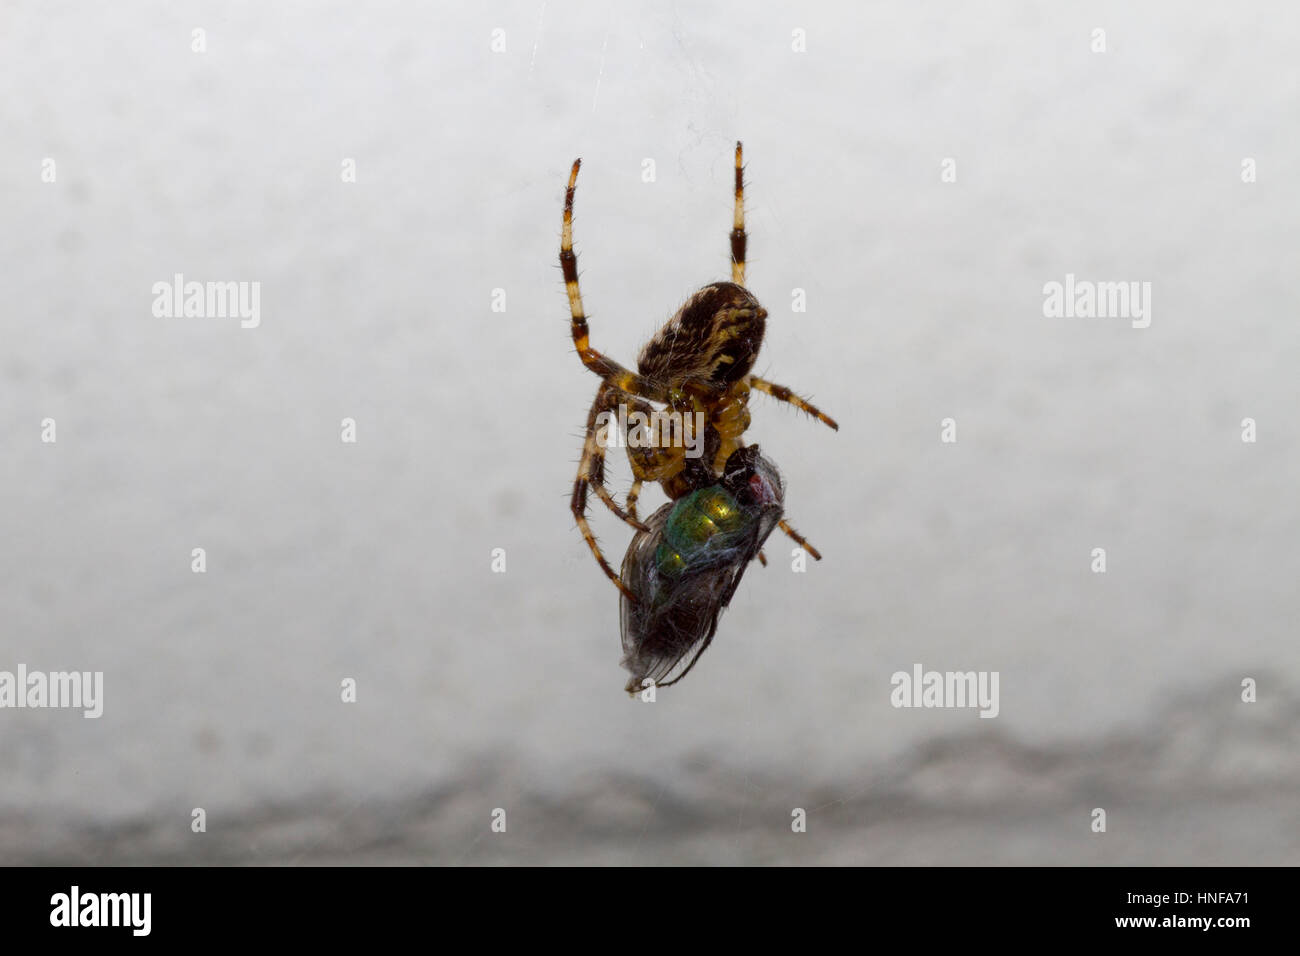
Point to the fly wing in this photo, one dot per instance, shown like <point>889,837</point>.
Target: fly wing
<point>666,640</point>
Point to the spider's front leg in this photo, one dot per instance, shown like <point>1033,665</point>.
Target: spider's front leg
<point>611,371</point>
<point>739,238</point>
<point>591,477</point>
<point>602,422</point>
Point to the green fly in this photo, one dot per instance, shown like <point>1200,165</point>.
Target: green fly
<point>685,568</point>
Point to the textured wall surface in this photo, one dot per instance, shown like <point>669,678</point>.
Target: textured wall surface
<point>372,560</point>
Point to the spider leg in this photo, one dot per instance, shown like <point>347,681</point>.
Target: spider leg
<point>783,394</point>
<point>800,539</point>
<point>593,452</point>
<point>633,494</point>
<point>590,469</point>
<point>611,371</point>
<point>738,235</point>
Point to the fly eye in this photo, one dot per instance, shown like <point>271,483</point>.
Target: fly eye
<point>760,490</point>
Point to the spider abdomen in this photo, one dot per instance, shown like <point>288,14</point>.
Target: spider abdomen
<point>714,338</point>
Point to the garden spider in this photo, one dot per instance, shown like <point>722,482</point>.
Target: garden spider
<point>699,361</point>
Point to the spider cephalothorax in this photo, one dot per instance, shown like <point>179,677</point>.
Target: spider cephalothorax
<point>698,366</point>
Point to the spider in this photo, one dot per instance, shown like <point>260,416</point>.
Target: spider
<point>700,361</point>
